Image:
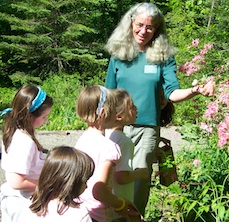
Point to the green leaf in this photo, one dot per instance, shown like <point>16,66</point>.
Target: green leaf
<point>221,212</point>
<point>193,204</point>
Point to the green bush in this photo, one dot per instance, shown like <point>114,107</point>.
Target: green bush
<point>64,90</point>
<point>6,97</point>
<point>201,193</point>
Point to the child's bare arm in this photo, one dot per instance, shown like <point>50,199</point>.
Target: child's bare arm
<point>20,182</point>
<point>124,177</point>
<point>101,191</point>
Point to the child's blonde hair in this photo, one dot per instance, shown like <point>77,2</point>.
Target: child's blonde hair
<point>124,101</point>
<point>90,101</point>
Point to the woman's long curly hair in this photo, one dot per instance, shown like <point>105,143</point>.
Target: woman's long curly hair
<point>122,45</point>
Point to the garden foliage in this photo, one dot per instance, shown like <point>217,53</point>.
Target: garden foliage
<point>201,193</point>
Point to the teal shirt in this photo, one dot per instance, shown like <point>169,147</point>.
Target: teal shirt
<point>143,81</point>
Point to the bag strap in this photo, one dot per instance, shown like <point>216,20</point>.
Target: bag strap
<point>167,142</point>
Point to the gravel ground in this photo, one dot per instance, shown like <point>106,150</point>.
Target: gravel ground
<point>50,139</point>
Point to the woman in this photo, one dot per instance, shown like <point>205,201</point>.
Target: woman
<point>142,62</point>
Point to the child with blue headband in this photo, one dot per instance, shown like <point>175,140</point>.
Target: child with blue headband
<point>96,106</point>
<point>22,155</point>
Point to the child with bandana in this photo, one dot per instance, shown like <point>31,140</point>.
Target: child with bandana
<point>22,155</point>
<point>96,106</point>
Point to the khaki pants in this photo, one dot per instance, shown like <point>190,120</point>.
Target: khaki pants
<point>146,141</point>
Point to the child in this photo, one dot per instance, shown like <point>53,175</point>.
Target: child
<point>62,179</point>
<point>125,175</point>
<point>96,106</point>
<point>22,155</point>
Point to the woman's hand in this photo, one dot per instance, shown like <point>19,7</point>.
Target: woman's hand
<point>208,89</point>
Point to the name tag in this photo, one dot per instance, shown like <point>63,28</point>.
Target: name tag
<point>150,69</point>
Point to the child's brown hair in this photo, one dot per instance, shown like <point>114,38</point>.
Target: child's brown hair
<point>90,101</point>
<point>19,117</point>
<point>62,176</point>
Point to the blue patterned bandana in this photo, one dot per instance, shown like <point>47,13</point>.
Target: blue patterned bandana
<point>102,99</point>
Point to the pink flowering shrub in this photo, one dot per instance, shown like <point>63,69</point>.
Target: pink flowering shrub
<point>201,193</point>
<point>198,62</point>
<point>216,116</point>
<point>202,68</point>
<point>203,167</point>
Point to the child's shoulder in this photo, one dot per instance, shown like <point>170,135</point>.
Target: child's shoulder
<point>97,141</point>
<point>111,133</point>
<point>21,136</point>
<point>79,212</point>
<point>118,136</point>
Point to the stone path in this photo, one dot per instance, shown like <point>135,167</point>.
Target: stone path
<point>49,139</point>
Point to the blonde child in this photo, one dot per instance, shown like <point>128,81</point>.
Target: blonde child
<point>62,179</point>
<point>125,175</point>
<point>22,155</point>
<point>96,106</point>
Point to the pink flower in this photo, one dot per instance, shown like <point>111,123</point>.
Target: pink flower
<point>204,126</point>
<point>198,58</point>
<point>211,78</point>
<point>212,110</point>
<point>195,42</point>
<point>196,162</point>
<point>225,98</point>
<point>203,51</point>
<point>181,68</point>
<point>223,132</point>
<point>208,46</point>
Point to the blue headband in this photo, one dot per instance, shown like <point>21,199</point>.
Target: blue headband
<point>7,110</point>
<point>102,99</point>
<point>36,103</point>
<point>38,100</point>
